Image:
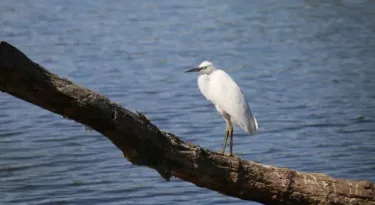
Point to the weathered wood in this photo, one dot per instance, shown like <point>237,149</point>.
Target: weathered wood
<point>144,144</point>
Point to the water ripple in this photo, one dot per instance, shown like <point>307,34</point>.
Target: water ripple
<point>307,75</point>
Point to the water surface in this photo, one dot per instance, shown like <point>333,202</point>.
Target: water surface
<point>306,67</point>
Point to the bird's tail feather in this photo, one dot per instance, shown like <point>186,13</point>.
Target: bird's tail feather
<point>252,125</point>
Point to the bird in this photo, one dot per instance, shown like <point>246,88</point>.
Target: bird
<point>224,93</point>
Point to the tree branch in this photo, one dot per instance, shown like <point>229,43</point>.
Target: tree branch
<point>142,143</point>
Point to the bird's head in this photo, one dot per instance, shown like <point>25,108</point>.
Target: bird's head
<point>205,67</point>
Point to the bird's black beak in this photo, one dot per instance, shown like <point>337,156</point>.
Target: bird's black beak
<point>193,70</point>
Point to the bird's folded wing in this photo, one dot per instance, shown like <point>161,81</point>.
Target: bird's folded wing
<point>225,93</point>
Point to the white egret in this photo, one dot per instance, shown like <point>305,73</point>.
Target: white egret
<point>221,90</point>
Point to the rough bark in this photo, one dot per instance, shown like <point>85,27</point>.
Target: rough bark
<point>142,143</point>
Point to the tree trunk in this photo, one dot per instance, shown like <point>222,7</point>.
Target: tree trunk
<point>142,143</point>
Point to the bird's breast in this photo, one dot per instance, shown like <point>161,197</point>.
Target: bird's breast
<point>204,85</point>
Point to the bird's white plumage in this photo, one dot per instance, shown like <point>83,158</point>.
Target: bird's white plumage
<point>220,89</point>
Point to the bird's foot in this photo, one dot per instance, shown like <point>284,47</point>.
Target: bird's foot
<point>227,154</point>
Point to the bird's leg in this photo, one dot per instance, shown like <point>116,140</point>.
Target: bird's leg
<point>231,140</point>
<point>226,134</point>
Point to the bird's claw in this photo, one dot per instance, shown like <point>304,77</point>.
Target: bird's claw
<point>228,154</point>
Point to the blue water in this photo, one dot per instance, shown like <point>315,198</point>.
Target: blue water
<point>306,67</point>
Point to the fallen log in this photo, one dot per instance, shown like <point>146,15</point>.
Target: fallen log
<point>142,143</point>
